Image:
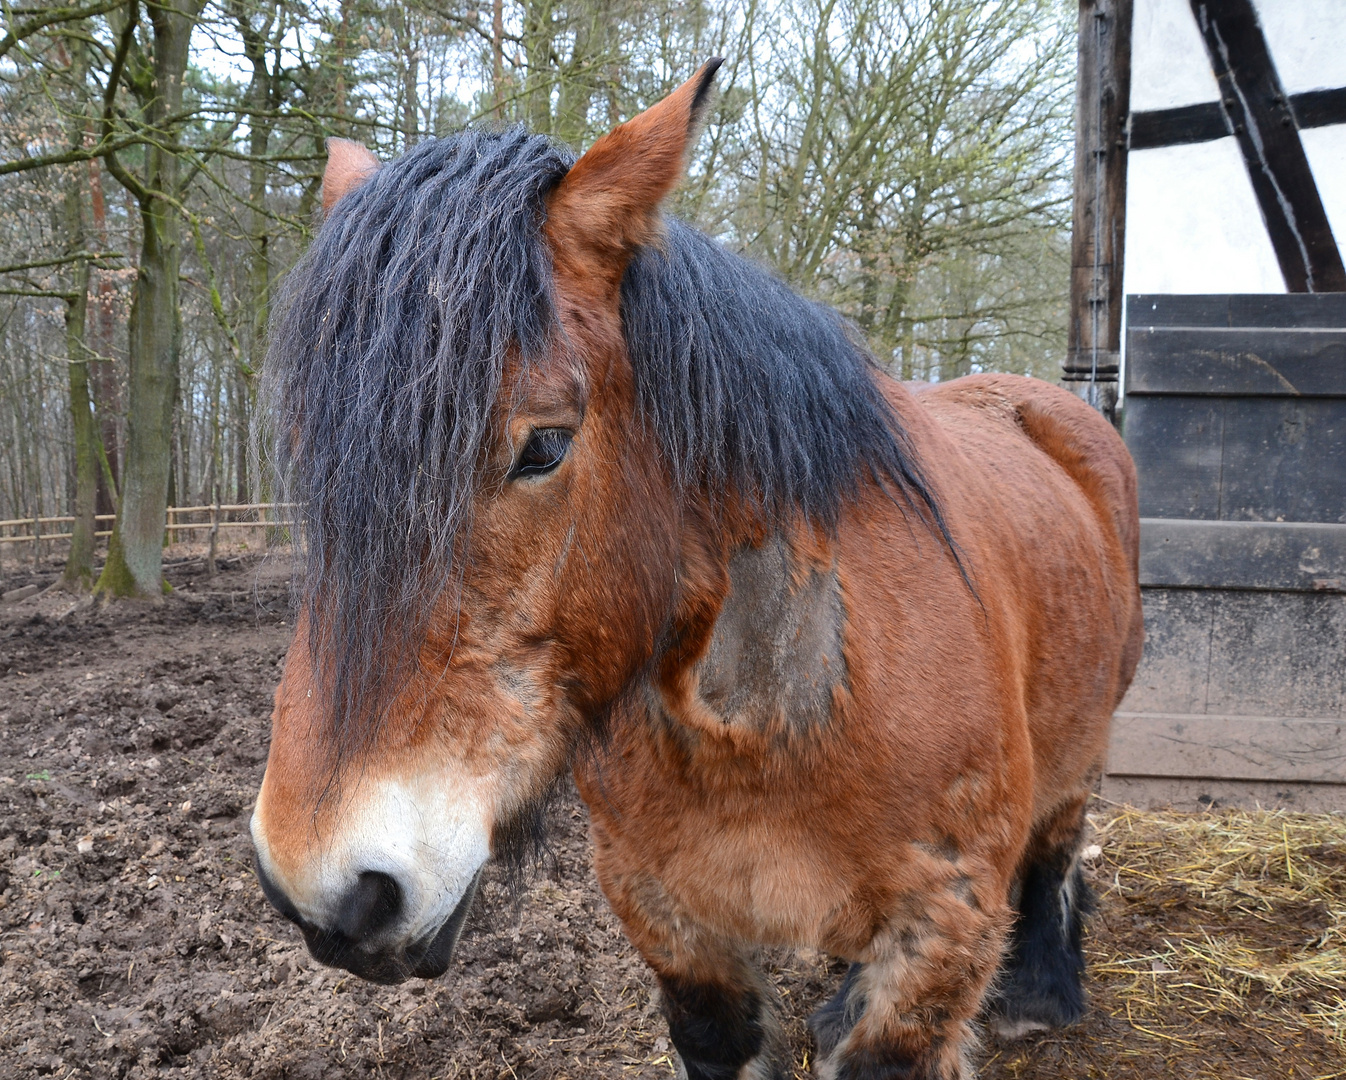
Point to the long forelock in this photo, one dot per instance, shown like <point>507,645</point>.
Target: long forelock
<point>385,367</point>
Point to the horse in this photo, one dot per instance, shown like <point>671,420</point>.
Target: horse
<point>832,660</point>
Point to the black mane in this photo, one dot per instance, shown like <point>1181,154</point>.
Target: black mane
<point>387,359</point>
<point>755,391</point>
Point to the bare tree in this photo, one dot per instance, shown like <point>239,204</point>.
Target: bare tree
<point>896,138</point>
<point>901,159</point>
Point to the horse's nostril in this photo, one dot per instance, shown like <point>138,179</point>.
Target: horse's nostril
<point>372,905</point>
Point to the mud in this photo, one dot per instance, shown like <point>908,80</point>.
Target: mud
<point>134,940</point>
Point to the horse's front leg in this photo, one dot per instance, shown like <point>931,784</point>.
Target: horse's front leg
<point>721,1011</point>
<point>905,1012</point>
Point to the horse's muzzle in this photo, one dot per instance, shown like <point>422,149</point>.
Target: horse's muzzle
<point>352,942</point>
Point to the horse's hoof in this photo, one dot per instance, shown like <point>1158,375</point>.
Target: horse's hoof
<point>1011,1030</point>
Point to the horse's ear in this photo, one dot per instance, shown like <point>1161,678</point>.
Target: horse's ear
<point>348,166</point>
<point>609,201</point>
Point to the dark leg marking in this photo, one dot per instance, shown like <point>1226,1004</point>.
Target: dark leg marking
<point>716,1030</point>
<point>1041,983</point>
<point>832,1022</point>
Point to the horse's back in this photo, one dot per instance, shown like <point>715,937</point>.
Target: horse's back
<point>1060,557</point>
<point>1066,430</point>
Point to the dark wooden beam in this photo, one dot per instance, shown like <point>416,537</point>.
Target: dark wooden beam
<point>1263,121</point>
<point>1102,103</point>
<point>1177,127</point>
<point>1202,123</point>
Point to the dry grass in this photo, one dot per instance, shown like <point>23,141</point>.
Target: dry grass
<point>1259,899</point>
<point>1218,952</point>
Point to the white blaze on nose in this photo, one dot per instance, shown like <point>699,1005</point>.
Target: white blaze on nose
<point>429,833</point>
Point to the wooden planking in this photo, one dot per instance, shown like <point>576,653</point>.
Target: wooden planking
<point>1283,459</point>
<point>1174,671</point>
<point>1239,424</point>
<point>1228,747</point>
<point>1177,445</point>
<point>1268,310</point>
<point>1242,361</point>
<point>1292,556</point>
<point>1239,459</point>
<point>1277,654</point>
<point>1223,651</point>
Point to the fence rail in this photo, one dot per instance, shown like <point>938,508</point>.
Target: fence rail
<point>36,534</point>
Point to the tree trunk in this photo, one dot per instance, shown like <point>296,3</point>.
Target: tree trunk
<point>134,565</point>
<point>410,78</point>
<point>342,48</point>
<point>498,58</point>
<point>135,555</point>
<point>595,22</point>
<point>103,375</point>
<point>78,575</point>
<point>242,420</point>
<point>538,40</point>
<point>265,95</point>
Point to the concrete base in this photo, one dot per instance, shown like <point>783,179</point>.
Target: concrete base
<point>1155,792</point>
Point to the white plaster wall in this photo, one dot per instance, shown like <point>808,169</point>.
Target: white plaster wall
<point>1193,225</point>
<point>1307,39</point>
<point>1326,150</point>
<point>1169,67</point>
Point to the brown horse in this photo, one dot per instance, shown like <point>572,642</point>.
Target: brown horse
<point>832,660</point>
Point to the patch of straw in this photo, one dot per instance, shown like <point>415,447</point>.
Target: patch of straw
<point>1256,901</point>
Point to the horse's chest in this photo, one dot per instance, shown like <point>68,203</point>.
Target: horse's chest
<point>693,777</point>
<point>753,879</point>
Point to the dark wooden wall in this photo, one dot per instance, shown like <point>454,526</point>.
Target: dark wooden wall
<point>1236,415</point>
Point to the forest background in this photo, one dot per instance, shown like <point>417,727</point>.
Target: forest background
<point>160,170</point>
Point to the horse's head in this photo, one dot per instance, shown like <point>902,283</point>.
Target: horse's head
<point>492,540</point>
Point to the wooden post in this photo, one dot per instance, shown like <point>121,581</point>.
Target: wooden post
<point>37,541</point>
<point>211,569</point>
<point>1102,104</point>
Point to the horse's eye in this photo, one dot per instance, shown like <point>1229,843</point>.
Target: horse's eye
<point>544,450</point>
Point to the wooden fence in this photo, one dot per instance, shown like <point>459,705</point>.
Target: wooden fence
<point>35,528</point>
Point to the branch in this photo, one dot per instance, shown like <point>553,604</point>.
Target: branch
<point>200,155</point>
<point>114,76</point>
<point>217,301</point>
<point>54,293</point>
<point>79,256</point>
<point>473,24</point>
<point>103,149</point>
<point>51,17</point>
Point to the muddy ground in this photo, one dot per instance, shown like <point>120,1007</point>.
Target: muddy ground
<point>134,940</point>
